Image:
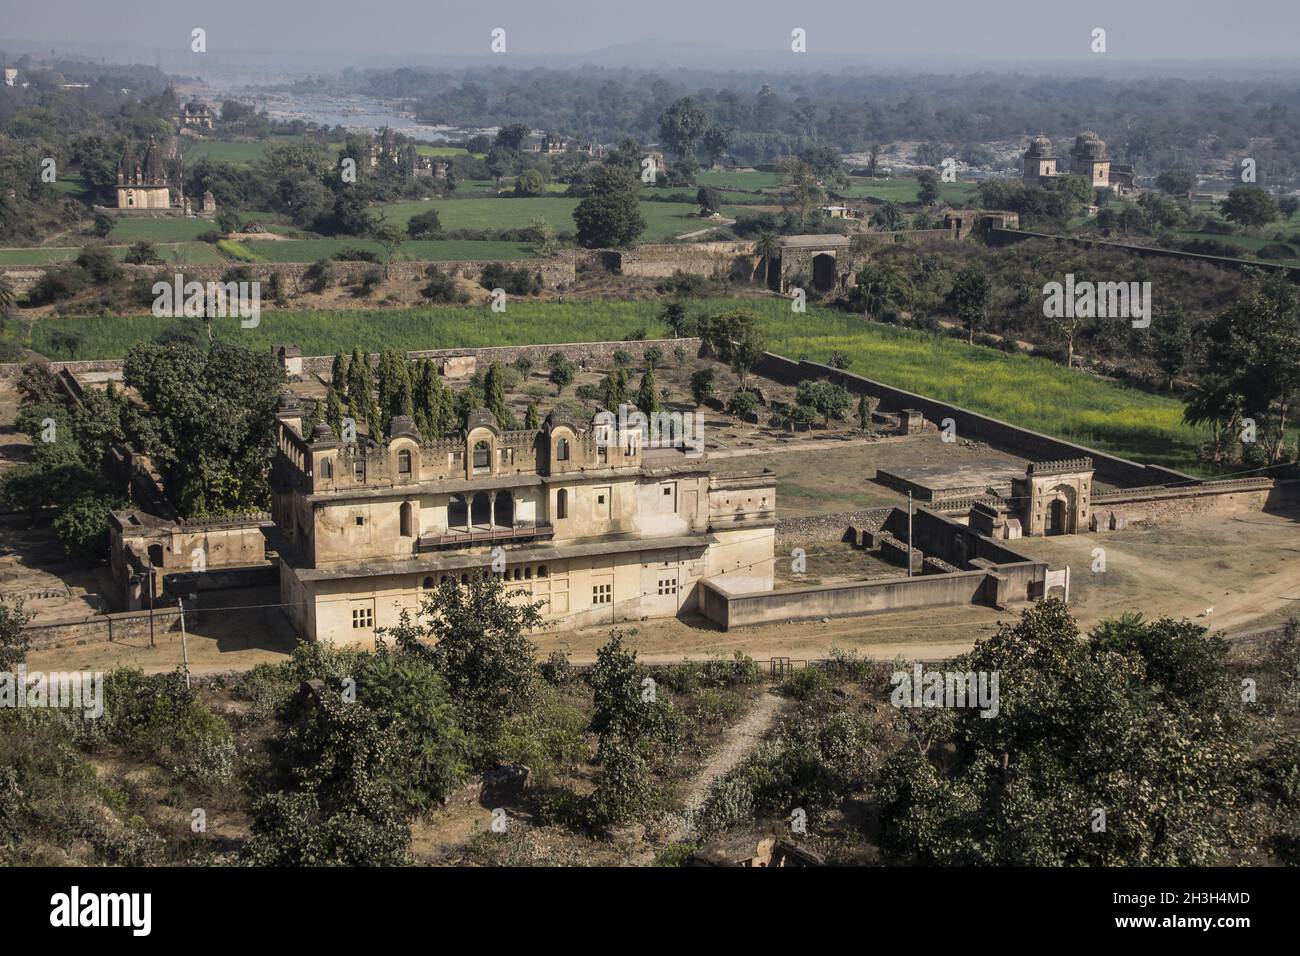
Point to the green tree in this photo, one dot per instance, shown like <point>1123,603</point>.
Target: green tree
<point>1250,206</point>
<point>494,395</point>
<point>212,414</point>
<point>647,396</point>
<point>674,316</point>
<point>562,376</point>
<point>703,383</point>
<point>927,182</point>
<point>1144,725</point>
<point>681,125</point>
<point>474,635</point>
<point>615,389</point>
<point>969,298</point>
<point>15,640</point>
<point>610,215</point>
<point>339,375</point>
<point>828,399</point>
<point>334,413</point>
<point>532,421</point>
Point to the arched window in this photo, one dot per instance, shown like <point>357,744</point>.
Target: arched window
<point>406,520</point>
<point>562,503</point>
<point>480,510</point>
<point>562,450</point>
<point>482,457</point>
<point>326,468</point>
<point>428,584</point>
<point>404,462</point>
<point>504,509</point>
<point>541,570</point>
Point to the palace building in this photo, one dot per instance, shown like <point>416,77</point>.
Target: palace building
<point>578,516</point>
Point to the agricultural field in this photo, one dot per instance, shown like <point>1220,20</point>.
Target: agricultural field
<point>663,219</point>
<point>196,252</point>
<point>171,229</point>
<point>1031,392</point>
<point>906,190</point>
<point>725,179</point>
<point>425,250</point>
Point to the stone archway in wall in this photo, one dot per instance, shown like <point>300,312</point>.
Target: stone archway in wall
<point>458,513</point>
<point>480,510</point>
<point>1059,510</point>
<point>823,271</point>
<point>504,511</point>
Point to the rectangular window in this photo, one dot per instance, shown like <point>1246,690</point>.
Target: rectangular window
<point>667,586</point>
<point>363,618</point>
<point>359,471</point>
<point>602,594</point>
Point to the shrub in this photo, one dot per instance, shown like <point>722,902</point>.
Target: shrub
<point>442,287</point>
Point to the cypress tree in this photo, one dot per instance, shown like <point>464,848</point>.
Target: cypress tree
<point>647,397</point>
<point>334,412</point>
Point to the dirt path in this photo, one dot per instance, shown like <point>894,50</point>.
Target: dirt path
<point>737,742</point>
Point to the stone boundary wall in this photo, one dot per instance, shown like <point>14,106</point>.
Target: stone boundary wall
<point>1212,497</point>
<point>588,352</point>
<point>1003,237</point>
<point>1109,468</point>
<point>712,259</point>
<point>556,271</point>
<point>97,628</point>
<point>832,527</point>
<point>1013,582</point>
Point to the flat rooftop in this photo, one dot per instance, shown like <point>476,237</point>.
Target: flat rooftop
<point>931,481</point>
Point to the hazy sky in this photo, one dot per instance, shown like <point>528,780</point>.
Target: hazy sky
<point>993,29</point>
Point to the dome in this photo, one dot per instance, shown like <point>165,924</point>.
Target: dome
<point>1040,145</point>
<point>403,426</point>
<point>560,416</point>
<point>1089,145</point>
<point>480,418</point>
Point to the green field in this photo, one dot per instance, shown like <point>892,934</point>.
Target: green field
<point>663,219</point>
<point>754,180</point>
<point>171,229</point>
<point>237,154</point>
<point>1030,392</point>
<point>906,190</point>
<point>196,252</point>
<point>430,250</point>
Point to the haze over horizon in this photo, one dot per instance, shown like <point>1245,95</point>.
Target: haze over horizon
<point>941,35</point>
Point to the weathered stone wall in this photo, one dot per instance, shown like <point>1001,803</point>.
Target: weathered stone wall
<point>1211,498</point>
<point>1013,582</point>
<point>556,271</point>
<point>718,260</point>
<point>96,628</point>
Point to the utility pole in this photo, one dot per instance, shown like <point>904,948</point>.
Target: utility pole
<point>909,534</point>
<point>185,651</point>
<point>151,643</point>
